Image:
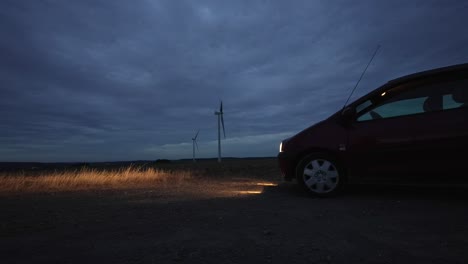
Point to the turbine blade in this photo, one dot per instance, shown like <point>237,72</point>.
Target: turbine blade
<point>196,144</point>
<point>221,107</point>
<point>196,135</point>
<point>222,122</point>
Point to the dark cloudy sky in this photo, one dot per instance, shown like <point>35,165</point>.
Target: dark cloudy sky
<point>102,80</point>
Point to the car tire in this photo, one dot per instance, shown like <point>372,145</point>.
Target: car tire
<point>320,175</point>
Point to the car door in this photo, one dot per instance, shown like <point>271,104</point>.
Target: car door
<point>381,148</point>
<point>440,143</point>
<point>406,134</point>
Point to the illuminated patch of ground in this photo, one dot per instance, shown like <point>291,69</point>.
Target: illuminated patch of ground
<point>199,189</point>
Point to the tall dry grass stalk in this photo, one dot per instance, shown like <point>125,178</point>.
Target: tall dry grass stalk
<point>92,179</point>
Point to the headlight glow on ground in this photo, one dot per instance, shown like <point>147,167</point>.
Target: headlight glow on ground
<point>266,184</point>
<point>249,192</point>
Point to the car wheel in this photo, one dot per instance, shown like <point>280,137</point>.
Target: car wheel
<point>320,175</point>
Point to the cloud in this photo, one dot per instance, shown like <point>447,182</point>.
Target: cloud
<point>102,80</point>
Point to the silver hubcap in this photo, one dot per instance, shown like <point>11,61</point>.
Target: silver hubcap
<point>320,176</point>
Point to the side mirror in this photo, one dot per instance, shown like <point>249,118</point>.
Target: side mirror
<point>347,115</point>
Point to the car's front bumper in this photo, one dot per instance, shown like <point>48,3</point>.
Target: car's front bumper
<point>287,166</point>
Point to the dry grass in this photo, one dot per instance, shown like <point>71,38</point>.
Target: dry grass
<point>206,176</point>
<point>92,179</point>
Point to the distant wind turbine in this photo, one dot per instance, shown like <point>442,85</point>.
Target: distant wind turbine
<point>194,143</point>
<point>220,121</point>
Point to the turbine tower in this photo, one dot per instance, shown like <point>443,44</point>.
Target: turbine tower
<point>194,143</point>
<point>220,122</point>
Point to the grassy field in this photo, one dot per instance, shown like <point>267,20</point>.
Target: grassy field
<point>90,179</point>
<point>125,177</point>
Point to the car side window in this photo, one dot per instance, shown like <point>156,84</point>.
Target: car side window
<point>418,99</point>
<point>450,103</point>
<point>395,108</point>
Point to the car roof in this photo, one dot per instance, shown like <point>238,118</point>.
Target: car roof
<point>422,74</point>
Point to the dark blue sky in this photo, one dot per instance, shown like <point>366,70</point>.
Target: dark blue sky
<point>101,80</point>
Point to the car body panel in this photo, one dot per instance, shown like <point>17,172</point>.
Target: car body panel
<point>310,140</point>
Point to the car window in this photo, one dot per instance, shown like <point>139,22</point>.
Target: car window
<point>398,108</point>
<point>434,96</point>
<point>363,106</point>
<point>450,103</point>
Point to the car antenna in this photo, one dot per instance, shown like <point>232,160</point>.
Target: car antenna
<point>375,52</point>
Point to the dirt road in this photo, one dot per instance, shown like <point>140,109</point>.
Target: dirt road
<point>236,221</point>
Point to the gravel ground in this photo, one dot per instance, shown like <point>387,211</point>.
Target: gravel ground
<point>236,220</point>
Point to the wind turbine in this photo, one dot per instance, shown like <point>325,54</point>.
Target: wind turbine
<point>194,143</point>
<point>220,121</point>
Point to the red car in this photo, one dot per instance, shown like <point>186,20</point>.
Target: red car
<point>413,129</point>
